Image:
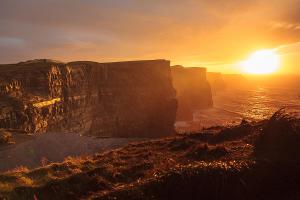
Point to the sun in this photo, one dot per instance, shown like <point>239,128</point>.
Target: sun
<point>262,62</point>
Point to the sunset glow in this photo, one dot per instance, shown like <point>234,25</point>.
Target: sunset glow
<point>137,99</point>
<point>262,62</point>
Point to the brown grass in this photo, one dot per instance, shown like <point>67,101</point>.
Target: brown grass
<point>217,163</point>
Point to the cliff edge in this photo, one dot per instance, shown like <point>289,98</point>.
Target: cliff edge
<point>122,99</point>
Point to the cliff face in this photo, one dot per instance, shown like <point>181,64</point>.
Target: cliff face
<point>110,99</point>
<point>216,81</point>
<point>31,96</point>
<point>145,100</point>
<point>193,90</point>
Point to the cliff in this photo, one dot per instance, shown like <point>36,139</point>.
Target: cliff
<point>31,96</point>
<point>216,81</point>
<point>193,90</point>
<point>130,99</point>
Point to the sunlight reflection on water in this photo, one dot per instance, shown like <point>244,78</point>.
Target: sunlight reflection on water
<point>231,106</point>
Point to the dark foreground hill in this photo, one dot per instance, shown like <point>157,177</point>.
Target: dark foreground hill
<point>250,161</point>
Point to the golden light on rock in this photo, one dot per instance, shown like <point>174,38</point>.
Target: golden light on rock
<point>262,62</point>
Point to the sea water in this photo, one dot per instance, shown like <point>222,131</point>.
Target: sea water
<point>231,106</point>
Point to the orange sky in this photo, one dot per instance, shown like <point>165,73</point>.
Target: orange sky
<point>215,34</point>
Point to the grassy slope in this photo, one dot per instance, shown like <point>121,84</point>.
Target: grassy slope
<point>240,162</point>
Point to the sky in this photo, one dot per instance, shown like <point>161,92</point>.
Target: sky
<point>215,34</point>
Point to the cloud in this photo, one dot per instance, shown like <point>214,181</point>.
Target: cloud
<point>11,42</point>
<point>104,30</point>
<point>284,25</point>
<point>293,48</point>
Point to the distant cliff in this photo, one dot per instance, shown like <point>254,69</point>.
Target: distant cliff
<point>193,90</point>
<point>216,81</point>
<point>105,99</point>
<point>220,82</point>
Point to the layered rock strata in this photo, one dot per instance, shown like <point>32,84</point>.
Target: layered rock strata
<point>130,99</point>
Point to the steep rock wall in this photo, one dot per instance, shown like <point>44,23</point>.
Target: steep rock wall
<point>30,96</point>
<point>193,90</point>
<point>144,91</point>
<point>130,99</point>
<point>216,81</point>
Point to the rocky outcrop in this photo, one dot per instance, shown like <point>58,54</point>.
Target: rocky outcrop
<point>111,99</point>
<point>193,90</point>
<point>5,137</point>
<point>31,96</point>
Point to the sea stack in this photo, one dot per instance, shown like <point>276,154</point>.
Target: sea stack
<point>193,90</point>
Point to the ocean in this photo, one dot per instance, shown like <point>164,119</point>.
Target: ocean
<point>255,103</point>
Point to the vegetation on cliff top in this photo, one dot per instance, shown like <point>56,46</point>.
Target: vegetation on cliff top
<point>249,161</point>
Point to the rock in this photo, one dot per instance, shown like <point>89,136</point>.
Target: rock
<point>5,137</point>
<point>122,99</point>
<point>216,81</point>
<point>193,90</point>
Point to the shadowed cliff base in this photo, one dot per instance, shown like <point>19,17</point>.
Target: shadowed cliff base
<point>240,162</point>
